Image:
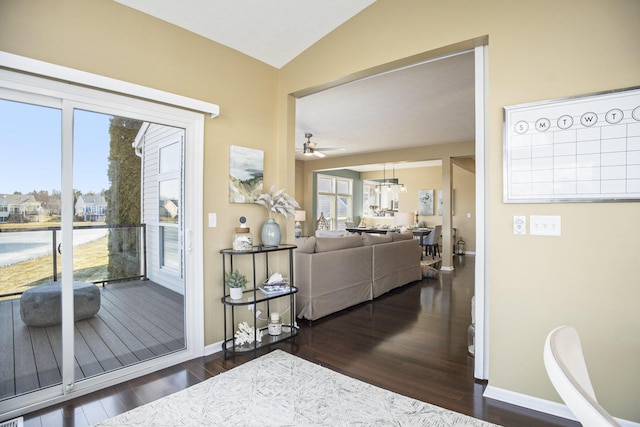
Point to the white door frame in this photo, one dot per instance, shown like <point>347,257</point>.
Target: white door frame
<point>481,359</point>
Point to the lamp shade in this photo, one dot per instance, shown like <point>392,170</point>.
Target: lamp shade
<point>301,215</point>
<point>404,218</point>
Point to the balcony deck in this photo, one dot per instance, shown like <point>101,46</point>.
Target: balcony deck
<point>137,321</point>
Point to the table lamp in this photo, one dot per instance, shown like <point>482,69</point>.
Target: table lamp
<point>300,216</point>
<point>403,220</point>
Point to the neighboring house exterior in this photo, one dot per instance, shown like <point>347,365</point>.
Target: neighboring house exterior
<point>91,207</point>
<point>160,148</point>
<point>20,208</point>
<point>4,211</point>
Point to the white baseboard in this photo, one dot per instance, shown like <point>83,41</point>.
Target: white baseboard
<point>540,405</point>
<point>213,348</point>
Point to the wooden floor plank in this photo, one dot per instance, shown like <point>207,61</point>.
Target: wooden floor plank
<point>142,308</point>
<point>55,337</point>
<point>119,349</point>
<point>135,346</point>
<point>160,296</point>
<point>26,376</point>
<point>86,359</point>
<point>130,322</point>
<point>99,348</point>
<point>173,313</point>
<point>46,365</point>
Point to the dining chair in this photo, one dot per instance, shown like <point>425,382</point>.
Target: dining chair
<point>431,243</point>
<point>567,370</point>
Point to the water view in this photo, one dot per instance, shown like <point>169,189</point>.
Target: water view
<point>24,245</point>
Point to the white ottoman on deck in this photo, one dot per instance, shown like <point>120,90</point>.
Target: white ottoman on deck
<point>42,306</point>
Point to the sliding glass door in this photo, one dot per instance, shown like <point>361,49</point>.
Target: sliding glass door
<point>92,257</point>
<point>30,183</point>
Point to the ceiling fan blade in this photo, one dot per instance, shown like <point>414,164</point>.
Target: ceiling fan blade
<point>319,154</point>
<point>327,149</point>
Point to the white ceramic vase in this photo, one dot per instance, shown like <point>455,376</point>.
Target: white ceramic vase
<point>271,234</point>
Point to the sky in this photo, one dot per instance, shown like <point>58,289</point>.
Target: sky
<point>30,149</point>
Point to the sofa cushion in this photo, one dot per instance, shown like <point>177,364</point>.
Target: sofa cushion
<point>308,246</point>
<point>326,244</point>
<point>372,239</point>
<point>331,233</point>
<point>401,236</point>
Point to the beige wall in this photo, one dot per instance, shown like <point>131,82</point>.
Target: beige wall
<point>537,50</point>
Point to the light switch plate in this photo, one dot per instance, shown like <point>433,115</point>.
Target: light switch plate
<point>213,220</point>
<point>519,224</point>
<point>545,225</point>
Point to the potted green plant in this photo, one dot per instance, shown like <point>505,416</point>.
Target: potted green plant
<point>276,202</point>
<point>236,282</point>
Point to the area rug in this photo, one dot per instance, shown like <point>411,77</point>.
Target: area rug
<point>279,389</point>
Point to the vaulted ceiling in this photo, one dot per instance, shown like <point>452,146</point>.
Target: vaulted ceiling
<point>423,104</point>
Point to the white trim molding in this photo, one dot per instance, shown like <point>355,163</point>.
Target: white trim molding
<point>34,66</point>
<point>537,404</point>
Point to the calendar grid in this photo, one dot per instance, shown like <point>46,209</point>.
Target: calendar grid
<point>582,149</point>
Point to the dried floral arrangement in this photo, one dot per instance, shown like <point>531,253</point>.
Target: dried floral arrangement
<point>278,202</point>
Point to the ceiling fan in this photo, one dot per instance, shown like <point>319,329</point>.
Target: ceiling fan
<point>309,148</point>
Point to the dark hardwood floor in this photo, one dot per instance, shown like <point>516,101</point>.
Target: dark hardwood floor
<point>412,341</point>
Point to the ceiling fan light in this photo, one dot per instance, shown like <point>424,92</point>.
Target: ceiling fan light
<point>307,151</point>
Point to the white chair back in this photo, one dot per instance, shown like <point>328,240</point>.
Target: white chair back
<point>567,370</point>
<point>434,236</point>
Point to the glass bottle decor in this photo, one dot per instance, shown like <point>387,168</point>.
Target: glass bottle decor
<point>242,239</point>
<point>275,324</point>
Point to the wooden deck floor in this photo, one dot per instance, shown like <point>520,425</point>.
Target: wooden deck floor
<point>137,321</point>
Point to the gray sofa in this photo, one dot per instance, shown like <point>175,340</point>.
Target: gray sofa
<point>332,274</point>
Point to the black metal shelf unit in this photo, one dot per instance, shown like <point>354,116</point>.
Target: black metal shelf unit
<point>253,295</point>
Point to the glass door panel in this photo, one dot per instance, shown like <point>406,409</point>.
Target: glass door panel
<point>137,319</point>
<point>30,339</point>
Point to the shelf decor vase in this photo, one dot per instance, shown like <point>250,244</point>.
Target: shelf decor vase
<point>271,234</point>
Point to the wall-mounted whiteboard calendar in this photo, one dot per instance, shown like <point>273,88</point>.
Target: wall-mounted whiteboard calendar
<point>582,149</point>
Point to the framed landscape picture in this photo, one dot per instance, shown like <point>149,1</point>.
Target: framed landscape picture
<point>246,170</point>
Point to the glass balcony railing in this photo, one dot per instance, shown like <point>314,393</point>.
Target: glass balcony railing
<point>101,254</point>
